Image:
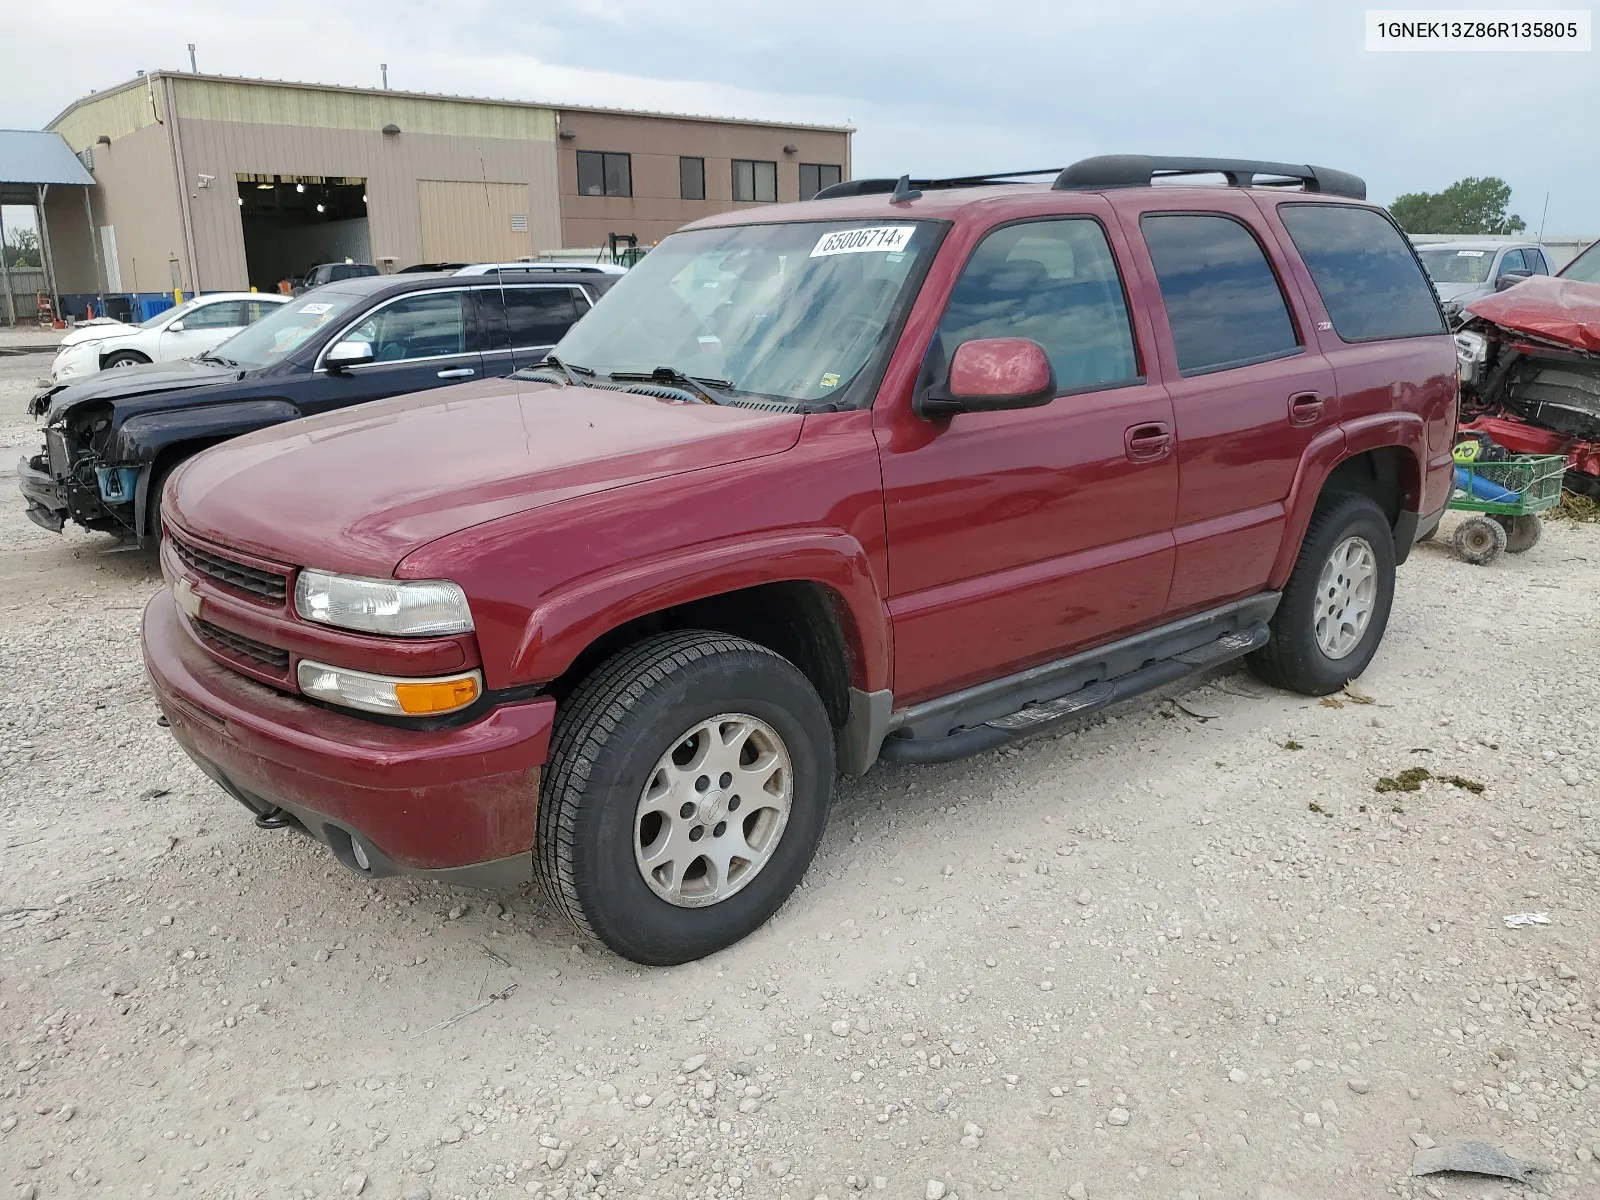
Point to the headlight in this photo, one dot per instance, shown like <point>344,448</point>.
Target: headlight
<point>1472,347</point>
<point>386,694</point>
<point>404,608</point>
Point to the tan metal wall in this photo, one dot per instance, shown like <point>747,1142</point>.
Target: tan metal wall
<point>472,222</point>
<point>654,144</point>
<point>231,128</point>
<point>136,192</point>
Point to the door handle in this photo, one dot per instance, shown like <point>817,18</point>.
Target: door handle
<point>1147,443</point>
<point>1304,408</point>
<point>457,373</point>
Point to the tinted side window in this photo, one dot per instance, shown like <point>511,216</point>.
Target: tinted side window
<point>1054,282</point>
<point>1222,299</point>
<point>425,326</point>
<point>540,316</point>
<point>222,315</point>
<point>1364,270</point>
<point>1536,262</point>
<point>1513,261</point>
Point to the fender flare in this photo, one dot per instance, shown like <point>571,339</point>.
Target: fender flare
<point>1404,431</point>
<point>567,621</point>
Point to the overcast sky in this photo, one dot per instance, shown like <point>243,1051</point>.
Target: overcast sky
<point>933,87</point>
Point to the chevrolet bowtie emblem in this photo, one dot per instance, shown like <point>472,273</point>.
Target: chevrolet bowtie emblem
<point>183,592</point>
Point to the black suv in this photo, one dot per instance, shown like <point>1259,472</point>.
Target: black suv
<point>111,440</point>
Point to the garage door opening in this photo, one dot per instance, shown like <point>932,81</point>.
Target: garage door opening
<point>295,222</point>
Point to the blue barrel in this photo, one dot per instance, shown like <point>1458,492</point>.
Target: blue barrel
<point>1480,488</point>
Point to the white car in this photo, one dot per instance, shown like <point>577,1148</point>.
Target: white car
<point>191,328</point>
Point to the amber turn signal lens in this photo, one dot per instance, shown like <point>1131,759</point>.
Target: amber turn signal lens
<point>436,696</point>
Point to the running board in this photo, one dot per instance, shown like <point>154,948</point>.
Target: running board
<point>1036,716</point>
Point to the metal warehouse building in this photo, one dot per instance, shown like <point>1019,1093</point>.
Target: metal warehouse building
<point>208,183</point>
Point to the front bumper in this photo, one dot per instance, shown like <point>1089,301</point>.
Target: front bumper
<point>456,804</point>
<point>47,499</point>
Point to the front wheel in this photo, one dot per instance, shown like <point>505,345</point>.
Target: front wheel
<point>1335,606</point>
<point>125,358</point>
<point>687,790</point>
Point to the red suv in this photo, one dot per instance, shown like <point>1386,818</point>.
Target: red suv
<point>906,472</point>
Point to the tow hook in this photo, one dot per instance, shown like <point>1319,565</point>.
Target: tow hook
<point>274,818</point>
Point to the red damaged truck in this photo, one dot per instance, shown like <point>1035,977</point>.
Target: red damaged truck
<point>1530,368</point>
<point>904,472</point>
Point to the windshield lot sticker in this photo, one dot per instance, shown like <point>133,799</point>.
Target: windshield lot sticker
<point>316,309</point>
<point>861,241</point>
<point>830,380</point>
<point>1469,253</point>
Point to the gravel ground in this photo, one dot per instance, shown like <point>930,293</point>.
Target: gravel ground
<point>1186,952</point>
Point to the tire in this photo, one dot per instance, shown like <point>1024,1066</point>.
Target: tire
<point>616,736</point>
<point>124,358</point>
<point>1429,536</point>
<point>1294,657</point>
<point>1522,533</point>
<point>158,484</point>
<point>1479,540</point>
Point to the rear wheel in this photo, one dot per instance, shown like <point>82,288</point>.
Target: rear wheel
<point>125,358</point>
<point>687,789</point>
<point>1479,540</point>
<point>1335,606</point>
<point>1522,533</point>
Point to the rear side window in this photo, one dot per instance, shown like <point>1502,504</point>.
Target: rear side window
<point>539,316</point>
<point>1364,270</point>
<point>1054,282</point>
<point>1223,302</point>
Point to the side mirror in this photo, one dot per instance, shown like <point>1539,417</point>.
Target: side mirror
<point>175,327</point>
<point>991,375</point>
<point>349,354</point>
<point>1511,279</point>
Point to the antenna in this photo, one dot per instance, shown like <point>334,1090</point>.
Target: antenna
<point>193,70</point>
<point>1542,217</point>
<point>499,275</point>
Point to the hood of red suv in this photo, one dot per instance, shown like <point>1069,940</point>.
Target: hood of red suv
<point>357,490</point>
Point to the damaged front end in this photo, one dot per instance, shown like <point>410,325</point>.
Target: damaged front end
<point>1530,373</point>
<point>73,478</point>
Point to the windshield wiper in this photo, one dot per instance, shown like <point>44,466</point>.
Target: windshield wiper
<point>702,386</point>
<point>570,371</point>
<point>210,356</point>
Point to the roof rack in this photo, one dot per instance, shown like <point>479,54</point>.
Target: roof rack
<point>1120,171</point>
<point>875,187</point>
<point>1141,170</point>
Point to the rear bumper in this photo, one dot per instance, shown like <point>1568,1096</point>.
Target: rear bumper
<point>456,804</point>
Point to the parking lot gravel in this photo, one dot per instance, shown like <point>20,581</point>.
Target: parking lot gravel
<point>1188,951</point>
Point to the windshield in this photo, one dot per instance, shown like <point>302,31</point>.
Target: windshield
<point>169,314</point>
<point>1457,266</point>
<point>1586,267</point>
<point>284,330</point>
<point>791,312</point>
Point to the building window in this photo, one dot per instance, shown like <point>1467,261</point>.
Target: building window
<point>604,174</point>
<point>755,180</point>
<point>816,176</point>
<point>692,178</point>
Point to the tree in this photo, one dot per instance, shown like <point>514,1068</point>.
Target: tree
<point>22,248</point>
<point>1469,205</point>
